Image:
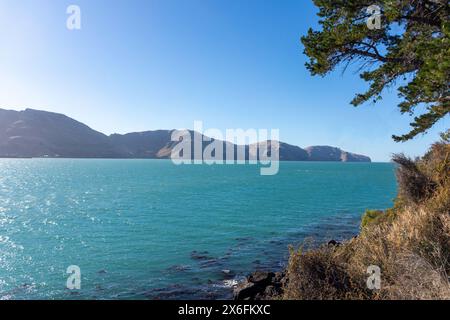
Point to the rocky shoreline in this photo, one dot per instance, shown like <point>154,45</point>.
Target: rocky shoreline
<point>260,285</point>
<point>265,285</point>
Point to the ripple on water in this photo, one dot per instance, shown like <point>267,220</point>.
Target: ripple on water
<point>136,219</point>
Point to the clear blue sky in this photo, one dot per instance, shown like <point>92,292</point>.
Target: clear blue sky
<point>162,64</point>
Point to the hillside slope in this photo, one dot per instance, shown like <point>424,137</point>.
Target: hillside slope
<point>34,133</point>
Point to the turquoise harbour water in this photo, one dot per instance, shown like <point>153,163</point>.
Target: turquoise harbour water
<point>147,229</point>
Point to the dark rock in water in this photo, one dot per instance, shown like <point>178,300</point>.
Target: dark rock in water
<point>209,263</point>
<point>334,243</point>
<point>178,268</point>
<point>260,286</point>
<point>202,255</point>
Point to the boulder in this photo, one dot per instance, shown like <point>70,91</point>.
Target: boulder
<point>261,278</point>
<point>260,285</point>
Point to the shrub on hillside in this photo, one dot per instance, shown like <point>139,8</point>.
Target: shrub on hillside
<point>371,217</point>
<point>413,184</point>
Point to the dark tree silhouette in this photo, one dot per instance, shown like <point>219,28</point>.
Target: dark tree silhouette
<point>409,49</point>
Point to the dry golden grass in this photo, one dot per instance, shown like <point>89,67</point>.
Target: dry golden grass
<point>411,246</point>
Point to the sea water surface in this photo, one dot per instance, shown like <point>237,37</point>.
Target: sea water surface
<point>147,229</point>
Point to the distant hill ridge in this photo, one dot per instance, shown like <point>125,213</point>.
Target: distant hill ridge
<point>35,133</point>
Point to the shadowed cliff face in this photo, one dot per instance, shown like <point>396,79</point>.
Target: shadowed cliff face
<point>33,133</point>
<point>326,153</point>
<point>286,151</point>
<point>149,144</point>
